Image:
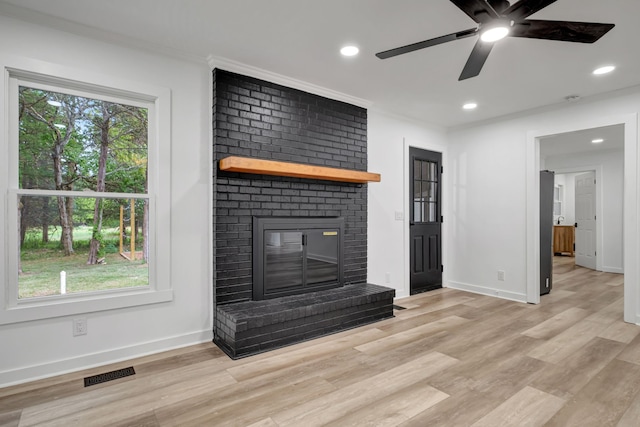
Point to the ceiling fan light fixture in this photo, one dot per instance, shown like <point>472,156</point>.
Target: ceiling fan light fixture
<point>349,50</point>
<point>494,34</point>
<point>604,70</point>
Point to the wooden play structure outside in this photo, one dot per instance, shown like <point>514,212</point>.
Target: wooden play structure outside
<point>131,255</point>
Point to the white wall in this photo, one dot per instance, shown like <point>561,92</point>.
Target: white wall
<point>389,139</point>
<point>41,348</point>
<point>489,187</point>
<point>610,198</point>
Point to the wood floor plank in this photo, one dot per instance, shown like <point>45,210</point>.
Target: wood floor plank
<point>527,408</point>
<point>430,305</point>
<point>568,378</point>
<point>143,420</point>
<point>631,417</point>
<point>563,345</point>
<point>604,400</point>
<point>298,353</point>
<point>395,408</point>
<point>10,419</point>
<point>267,422</point>
<point>558,323</point>
<point>631,353</point>
<point>383,344</point>
<point>248,411</point>
<point>328,408</point>
<point>460,410</point>
<point>621,332</point>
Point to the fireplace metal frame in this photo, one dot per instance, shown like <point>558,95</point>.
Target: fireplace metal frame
<point>301,224</point>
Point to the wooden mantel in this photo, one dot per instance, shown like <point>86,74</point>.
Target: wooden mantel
<point>298,170</point>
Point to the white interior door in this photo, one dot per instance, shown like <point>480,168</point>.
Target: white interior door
<point>586,220</point>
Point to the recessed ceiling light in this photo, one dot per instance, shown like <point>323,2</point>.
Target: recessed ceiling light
<point>597,141</point>
<point>494,34</point>
<point>54,103</point>
<point>470,106</point>
<point>604,70</point>
<point>349,51</point>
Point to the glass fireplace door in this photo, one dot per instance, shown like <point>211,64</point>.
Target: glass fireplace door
<point>321,256</point>
<point>284,253</point>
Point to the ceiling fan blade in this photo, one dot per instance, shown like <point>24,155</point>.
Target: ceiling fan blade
<point>520,10</point>
<point>427,43</point>
<point>478,10</point>
<point>476,60</point>
<point>580,32</point>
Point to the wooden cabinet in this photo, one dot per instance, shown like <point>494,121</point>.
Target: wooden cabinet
<point>563,239</point>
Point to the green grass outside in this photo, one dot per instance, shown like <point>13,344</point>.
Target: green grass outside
<point>41,267</point>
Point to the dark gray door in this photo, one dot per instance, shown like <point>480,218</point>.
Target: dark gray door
<point>546,230</point>
<point>425,220</point>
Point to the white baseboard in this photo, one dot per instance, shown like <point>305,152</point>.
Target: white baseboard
<point>73,364</point>
<point>617,270</point>
<point>498,293</point>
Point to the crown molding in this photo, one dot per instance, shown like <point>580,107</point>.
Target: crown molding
<point>259,73</point>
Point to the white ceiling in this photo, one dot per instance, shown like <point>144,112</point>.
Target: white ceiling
<point>580,141</point>
<point>301,38</point>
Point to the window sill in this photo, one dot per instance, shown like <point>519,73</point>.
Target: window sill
<point>60,307</point>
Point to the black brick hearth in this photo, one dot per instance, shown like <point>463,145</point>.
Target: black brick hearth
<point>263,120</point>
<point>252,327</point>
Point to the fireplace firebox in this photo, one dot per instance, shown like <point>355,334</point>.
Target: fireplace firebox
<point>296,255</point>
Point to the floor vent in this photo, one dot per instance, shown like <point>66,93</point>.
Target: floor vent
<point>397,307</point>
<point>109,376</point>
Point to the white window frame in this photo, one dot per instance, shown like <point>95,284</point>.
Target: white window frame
<point>25,72</point>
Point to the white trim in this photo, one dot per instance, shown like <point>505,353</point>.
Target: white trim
<point>511,296</point>
<point>616,270</point>
<point>259,73</point>
<point>88,193</point>
<point>87,361</point>
<point>631,234</point>
<point>406,277</point>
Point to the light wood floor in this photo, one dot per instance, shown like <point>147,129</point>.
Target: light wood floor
<point>450,358</point>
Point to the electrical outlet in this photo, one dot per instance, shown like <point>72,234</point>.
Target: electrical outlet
<point>387,277</point>
<point>79,326</point>
<point>501,275</point>
<point>399,216</point>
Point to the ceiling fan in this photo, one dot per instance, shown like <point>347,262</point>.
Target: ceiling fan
<point>498,19</point>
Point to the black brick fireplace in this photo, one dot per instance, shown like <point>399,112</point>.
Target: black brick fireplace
<point>262,120</point>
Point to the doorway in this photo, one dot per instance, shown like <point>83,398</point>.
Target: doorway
<point>425,220</point>
<point>628,198</point>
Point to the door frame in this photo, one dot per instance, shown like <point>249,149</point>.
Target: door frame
<point>406,238</point>
<point>631,236</point>
<point>599,206</point>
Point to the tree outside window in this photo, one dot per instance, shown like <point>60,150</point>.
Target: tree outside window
<point>83,207</point>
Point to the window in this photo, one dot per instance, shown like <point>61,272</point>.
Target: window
<point>558,196</point>
<point>83,197</point>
